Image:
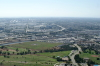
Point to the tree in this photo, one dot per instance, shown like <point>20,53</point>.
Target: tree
<point>98,58</point>
<point>8,56</point>
<point>13,52</point>
<point>35,52</point>
<point>29,50</point>
<point>22,53</point>
<point>79,52</point>
<point>53,57</point>
<point>25,61</point>
<point>1,63</point>
<point>40,51</point>
<point>26,52</point>
<point>17,50</point>
<point>0,52</point>
<point>90,62</point>
<point>2,47</point>
<point>78,59</point>
<point>18,53</point>
<point>4,56</point>
<point>59,59</point>
<point>8,53</point>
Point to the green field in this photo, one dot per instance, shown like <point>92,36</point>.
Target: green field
<point>61,53</point>
<point>27,60</point>
<point>35,45</point>
<point>38,59</point>
<point>88,55</point>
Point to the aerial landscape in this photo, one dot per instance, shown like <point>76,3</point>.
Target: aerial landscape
<point>47,41</point>
<point>50,33</point>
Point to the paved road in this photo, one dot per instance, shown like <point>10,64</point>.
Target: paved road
<point>73,53</point>
<point>79,49</point>
<point>62,28</point>
<point>57,64</point>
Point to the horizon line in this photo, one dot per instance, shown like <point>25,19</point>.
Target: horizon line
<point>50,17</point>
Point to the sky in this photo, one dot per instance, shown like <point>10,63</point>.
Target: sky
<point>50,8</point>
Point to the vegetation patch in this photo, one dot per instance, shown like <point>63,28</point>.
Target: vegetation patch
<point>31,54</point>
<point>88,55</point>
<point>34,45</point>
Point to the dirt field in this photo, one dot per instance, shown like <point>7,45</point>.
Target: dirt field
<point>95,55</point>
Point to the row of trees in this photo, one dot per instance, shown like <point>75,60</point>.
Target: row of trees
<point>61,48</point>
<point>4,53</point>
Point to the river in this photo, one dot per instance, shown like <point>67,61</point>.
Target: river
<point>12,43</point>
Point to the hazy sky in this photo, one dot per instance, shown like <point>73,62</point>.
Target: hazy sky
<point>50,8</point>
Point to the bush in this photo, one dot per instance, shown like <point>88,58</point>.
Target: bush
<point>98,58</point>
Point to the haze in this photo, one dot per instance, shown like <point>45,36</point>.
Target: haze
<point>50,8</point>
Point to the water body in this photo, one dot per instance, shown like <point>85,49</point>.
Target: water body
<point>12,43</point>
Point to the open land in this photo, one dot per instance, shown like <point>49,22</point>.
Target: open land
<point>91,55</point>
<point>38,59</point>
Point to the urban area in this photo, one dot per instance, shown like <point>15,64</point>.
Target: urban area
<point>49,41</point>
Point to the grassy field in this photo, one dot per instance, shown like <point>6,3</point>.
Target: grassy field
<point>61,53</point>
<point>38,59</point>
<point>35,45</point>
<point>24,60</point>
<point>88,55</point>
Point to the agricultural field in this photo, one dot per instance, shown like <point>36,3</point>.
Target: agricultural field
<point>22,54</point>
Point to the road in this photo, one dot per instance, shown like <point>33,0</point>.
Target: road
<point>73,53</point>
<point>62,28</point>
<point>79,49</point>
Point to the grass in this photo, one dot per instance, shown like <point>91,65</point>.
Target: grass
<point>39,59</point>
<point>28,60</point>
<point>87,55</point>
<point>61,54</point>
<point>35,45</point>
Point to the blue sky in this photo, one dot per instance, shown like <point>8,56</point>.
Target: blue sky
<point>50,8</point>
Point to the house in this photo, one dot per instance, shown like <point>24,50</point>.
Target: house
<point>65,58</point>
<point>86,59</point>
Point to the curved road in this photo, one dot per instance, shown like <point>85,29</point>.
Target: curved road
<point>73,53</point>
<point>79,49</point>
